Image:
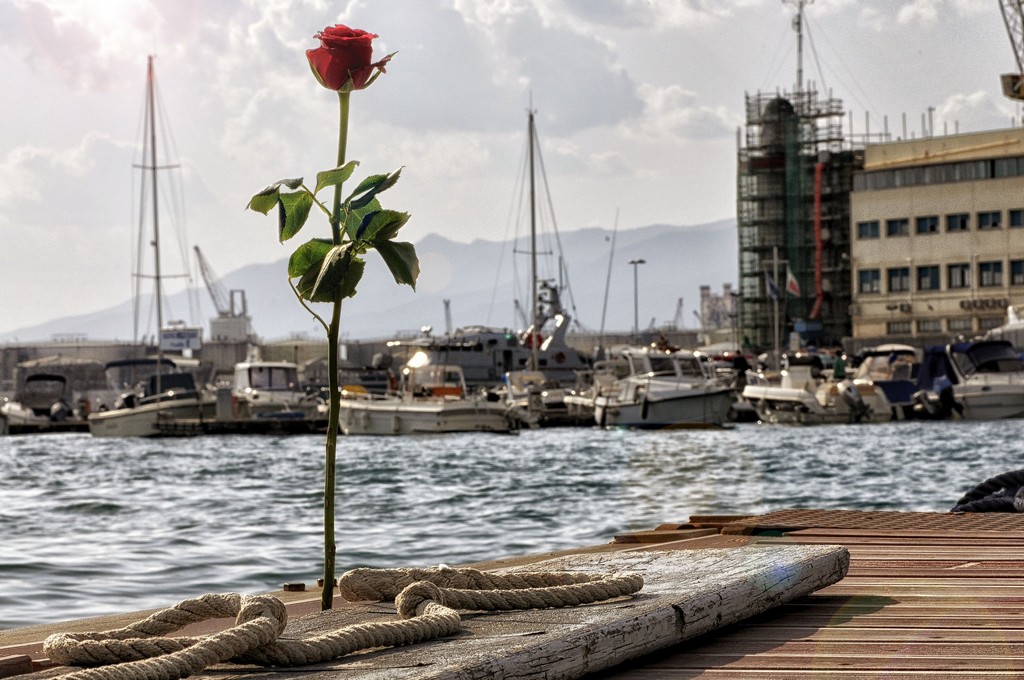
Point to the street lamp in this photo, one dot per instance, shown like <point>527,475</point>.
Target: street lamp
<point>636,298</point>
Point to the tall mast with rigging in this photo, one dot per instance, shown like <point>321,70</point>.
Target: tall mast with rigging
<point>150,164</point>
<point>533,252</point>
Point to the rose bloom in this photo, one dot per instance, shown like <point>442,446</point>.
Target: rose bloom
<point>343,53</point>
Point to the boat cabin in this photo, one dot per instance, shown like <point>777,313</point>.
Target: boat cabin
<point>433,380</point>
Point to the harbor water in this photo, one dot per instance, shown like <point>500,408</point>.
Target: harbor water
<point>93,526</point>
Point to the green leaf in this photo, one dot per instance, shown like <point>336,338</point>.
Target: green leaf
<point>292,213</point>
<point>335,177</point>
<point>265,200</point>
<point>370,187</point>
<point>353,275</point>
<point>354,218</point>
<point>308,256</point>
<point>382,225</point>
<point>401,260</point>
<point>335,278</point>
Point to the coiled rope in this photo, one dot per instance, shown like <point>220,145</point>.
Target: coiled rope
<point>426,601</point>
<point>1002,493</point>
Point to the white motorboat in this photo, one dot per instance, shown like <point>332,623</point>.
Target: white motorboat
<point>156,391</point>
<point>270,389</point>
<point>893,369</point>
<point>650,388</point>
<point>431,399</point>
<point>982,380</point>
<point>43,398</point>
<point>805,396</point>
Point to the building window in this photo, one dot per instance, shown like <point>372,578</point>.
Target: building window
<point>987,322</point>
<point>870,281</point>
<point>897,227</point>
<point>988,220</point>
<point>929,326</point>
<point>958,222</point>
<point>928,277</point>
<point>899,279</point>
<point>868,229</point>
<point>960,325</point>
<point>1016,218</point>
<point>897,328</point>
<point>990,274</point>
<point>959,275</point>
<point>1017,272</point>
<point>928,224</point>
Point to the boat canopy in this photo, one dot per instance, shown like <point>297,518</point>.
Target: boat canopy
<point>986,356</point>
<point>935,365</point>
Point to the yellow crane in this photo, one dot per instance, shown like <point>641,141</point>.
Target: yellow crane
<point>1013,17</point>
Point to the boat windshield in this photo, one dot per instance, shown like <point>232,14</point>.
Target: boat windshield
<point>691,367</point>
<point>274,378</point>
<point>989,358</point>
<point>662,365</point>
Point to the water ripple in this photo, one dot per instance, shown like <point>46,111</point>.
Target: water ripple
<point>92,526</point>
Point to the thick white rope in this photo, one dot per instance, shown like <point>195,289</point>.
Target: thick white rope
<point>426,600</point>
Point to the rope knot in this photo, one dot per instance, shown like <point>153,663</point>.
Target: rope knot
<point>427,601</point>
<point>253,607</point>
<point>415,597</point>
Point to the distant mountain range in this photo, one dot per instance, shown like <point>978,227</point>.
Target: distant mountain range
<point>481,280</point>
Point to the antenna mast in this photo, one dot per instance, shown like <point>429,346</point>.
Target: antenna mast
<point>798,26</point>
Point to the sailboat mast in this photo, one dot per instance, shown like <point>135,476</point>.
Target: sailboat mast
<point>533,252</point>
<point>151,103</point>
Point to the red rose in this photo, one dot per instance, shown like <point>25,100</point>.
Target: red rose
<point>344,54</point>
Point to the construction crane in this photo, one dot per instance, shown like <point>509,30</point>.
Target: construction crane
<point>222,300</point>
<point>1013,17</point>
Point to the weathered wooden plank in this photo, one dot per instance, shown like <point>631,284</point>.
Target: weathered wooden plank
<point>786,629</point>
<point>820,672</point>
<point>15,664</point>
<point>806,662</point>
<point>686,594</point>
<point>1012,652</point>
<point>971,535</point>
<point>664,536</point>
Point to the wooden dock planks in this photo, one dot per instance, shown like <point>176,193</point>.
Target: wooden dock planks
<point>927,596</point>
<point>921,600</point>
<point>685,594</point>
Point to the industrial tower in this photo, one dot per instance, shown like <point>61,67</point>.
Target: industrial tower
<point>794,177</point>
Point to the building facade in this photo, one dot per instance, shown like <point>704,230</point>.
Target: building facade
<point>937,248</point>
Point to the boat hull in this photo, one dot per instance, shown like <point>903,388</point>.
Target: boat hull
<point>697,407</point>
<point>143,421</point>
<point>991,401</point>
<point>399,416</point>
<point>791,405</point>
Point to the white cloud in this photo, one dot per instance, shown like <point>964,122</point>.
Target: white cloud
<point>673,113</point>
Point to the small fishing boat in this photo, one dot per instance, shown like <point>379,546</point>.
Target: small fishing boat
<point>430,399</point>
<point>650,388</point>
<point>805,396</point>
<point>153,391</point>
<point>270,389</point>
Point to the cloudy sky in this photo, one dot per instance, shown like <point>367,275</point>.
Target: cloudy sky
<point>638,105</point>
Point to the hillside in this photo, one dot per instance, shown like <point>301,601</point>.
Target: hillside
<point>480,278</point>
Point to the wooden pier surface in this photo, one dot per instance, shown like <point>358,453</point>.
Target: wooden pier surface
<point>926,595</point>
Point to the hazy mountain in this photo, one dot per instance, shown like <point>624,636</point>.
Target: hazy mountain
<point>482,279</point>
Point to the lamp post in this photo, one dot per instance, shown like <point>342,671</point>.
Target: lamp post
<point>636,298</point>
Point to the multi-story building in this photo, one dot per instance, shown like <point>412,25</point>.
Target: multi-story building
<point>937,248</point>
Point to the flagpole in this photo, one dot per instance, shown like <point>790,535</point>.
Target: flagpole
<point>775,306</point>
